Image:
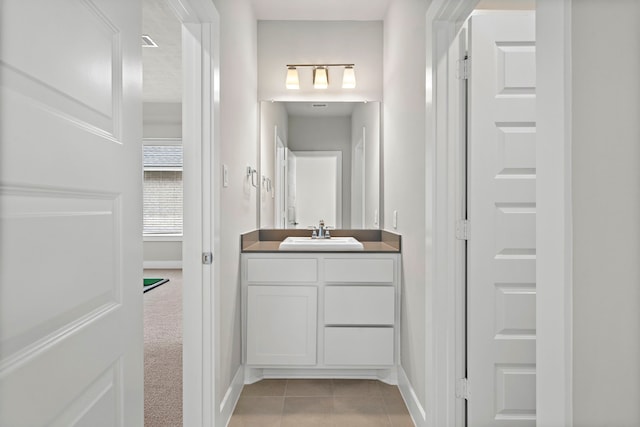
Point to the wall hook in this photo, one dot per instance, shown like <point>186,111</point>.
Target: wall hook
<point>253,174</point>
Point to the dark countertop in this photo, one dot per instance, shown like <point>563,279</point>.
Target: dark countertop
<point>268,240</point>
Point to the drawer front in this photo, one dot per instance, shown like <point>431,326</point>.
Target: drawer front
<point>359,305</point>
<point>277,270</point>
<point>359,270</point>
<point>358,346</point>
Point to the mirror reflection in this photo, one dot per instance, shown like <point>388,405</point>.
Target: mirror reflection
<point>320,160</point>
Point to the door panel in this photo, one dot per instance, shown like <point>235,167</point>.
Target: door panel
<point>502,213</point>
<point>70,210</point>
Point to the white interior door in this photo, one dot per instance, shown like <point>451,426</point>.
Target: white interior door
<point>71,213</point>
<point>502,214</point>
<point>319,188</point>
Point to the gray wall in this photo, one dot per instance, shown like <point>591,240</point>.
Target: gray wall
<point>318,42</point>
<point>606,212</point>
<point>405,173</point>
<point>239,147</point>
<point>326,134</point>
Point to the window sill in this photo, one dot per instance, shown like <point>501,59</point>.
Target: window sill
<point>162,238</point>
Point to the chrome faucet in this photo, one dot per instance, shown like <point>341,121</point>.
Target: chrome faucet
<point>321,232</point>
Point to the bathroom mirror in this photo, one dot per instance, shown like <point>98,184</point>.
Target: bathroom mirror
<point>319,160</point>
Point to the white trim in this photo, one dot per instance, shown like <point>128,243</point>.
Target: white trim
<point>386,375</point>
<point>417,412</point>
<point>162,141</point>
<point>200,118</point>
<point>230,399</point>
<point>162,238</point>
<point>444,198</point>
<point>162,265</point>
<point>554,312</point>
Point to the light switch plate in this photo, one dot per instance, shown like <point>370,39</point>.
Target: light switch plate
<point>225,176</point>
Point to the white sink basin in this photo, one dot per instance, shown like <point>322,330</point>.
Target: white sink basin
<point>309,244</point>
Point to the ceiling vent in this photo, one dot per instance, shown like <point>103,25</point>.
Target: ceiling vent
<point>319,105</point>
<point>147,41</point>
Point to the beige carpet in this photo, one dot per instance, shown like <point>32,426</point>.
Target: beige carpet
<point>163,351</point>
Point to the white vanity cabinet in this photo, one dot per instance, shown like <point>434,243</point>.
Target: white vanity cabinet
<point>320,314</point>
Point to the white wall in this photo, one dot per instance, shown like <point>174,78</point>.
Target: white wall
<point>272,114</point>
<point>162,120</point>
<point>326,134</point>
<point>404,171</point>
<point>304,42</point>
<point>239,144</point>
<point>368,116</point>
<point>606,212</point>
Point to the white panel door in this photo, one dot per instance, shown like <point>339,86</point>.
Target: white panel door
<point>319,188</point>
<point>502,214</point>
<point>70,211</point>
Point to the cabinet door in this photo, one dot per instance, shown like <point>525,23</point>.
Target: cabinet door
<point>281,325</point>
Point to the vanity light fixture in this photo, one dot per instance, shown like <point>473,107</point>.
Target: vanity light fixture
<point>292,78</point>
<point>321,75</point>
<point>320,78</point>
<point>349,78</point>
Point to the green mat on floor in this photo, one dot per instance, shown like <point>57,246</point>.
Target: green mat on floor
<point>149,284</point>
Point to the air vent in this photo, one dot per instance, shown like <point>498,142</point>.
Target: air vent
<point>318,105</point>
<point>147,41</point>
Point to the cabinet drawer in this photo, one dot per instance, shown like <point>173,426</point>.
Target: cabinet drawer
<point>359,305</point>
<point>372,270</point>
<point>358,346</point>
<point>272,270</point>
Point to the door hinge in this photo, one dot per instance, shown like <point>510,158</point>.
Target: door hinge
<point>464,68</point>
<point>462,389</point>
<point>462,229</point>
<point>207,258</point>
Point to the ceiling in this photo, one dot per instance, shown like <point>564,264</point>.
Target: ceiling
<point>326,10</point>
<point>162,65</point>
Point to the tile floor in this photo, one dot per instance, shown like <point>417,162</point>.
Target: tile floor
<point>319,402</point>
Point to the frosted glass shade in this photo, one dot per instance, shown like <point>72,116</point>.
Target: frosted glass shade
<point>320,78</point>
<point>292,78</point>
<point>349,78</point>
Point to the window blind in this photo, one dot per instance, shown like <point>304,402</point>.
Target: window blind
<point>162,191</point>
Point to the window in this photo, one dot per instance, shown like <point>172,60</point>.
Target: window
<point>162,191</point>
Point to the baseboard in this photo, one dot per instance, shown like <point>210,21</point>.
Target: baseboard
<point>252,375</point>
<point>162,265</point>
<point>416,410</point>
<point>231,397</point>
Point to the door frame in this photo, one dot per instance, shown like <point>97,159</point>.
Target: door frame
<point>280,178</point>
<point>200,117</point>
<point>445,194</point>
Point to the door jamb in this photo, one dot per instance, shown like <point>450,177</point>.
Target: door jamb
<point>200,117</point>
<point>445,300</point>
